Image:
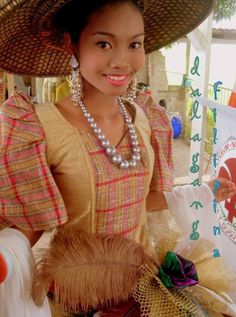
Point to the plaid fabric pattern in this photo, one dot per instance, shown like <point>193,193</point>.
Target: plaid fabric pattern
<point>161,140</point>
<point>120,194</point>
<point>29,197</point>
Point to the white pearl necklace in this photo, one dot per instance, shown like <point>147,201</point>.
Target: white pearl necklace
<point>110,150</point>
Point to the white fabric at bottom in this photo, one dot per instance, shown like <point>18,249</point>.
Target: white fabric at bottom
<point>179,203</point>
<point>15,292</point>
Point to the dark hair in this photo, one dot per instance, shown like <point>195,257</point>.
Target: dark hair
<point>74,16</point>
<point>162,103</point>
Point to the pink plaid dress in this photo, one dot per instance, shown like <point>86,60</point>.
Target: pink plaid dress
<point>52,173</point>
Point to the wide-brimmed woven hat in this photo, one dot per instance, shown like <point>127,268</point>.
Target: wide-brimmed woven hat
<point>25,26</point>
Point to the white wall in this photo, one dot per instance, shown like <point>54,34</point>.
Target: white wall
<point>222,66</point>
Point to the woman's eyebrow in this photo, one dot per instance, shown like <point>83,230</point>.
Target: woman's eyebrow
<point>113,35</point>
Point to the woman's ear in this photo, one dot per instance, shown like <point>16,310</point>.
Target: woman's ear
<point>68,43</point>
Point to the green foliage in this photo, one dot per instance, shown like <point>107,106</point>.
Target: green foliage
<point>224,9</point>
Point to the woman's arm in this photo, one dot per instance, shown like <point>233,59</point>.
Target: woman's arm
<point>156,201</point>
<point>222,189</point>
<point>32,236</point>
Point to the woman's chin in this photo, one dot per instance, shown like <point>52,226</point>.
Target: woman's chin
<point>122,91</point>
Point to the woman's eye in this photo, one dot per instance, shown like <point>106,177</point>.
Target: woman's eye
<point>135,45</point>
<point>104,45</point>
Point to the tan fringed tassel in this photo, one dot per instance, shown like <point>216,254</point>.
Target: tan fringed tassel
<point>89,270</point>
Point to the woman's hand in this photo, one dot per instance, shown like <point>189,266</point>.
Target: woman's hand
<point>222,188</point>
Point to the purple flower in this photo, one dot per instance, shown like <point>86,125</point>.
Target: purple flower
<point>177,271</point>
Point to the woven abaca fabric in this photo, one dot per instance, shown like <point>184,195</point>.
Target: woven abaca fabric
<point>109,200</point>
<point>29,196</point>
<point>48,152</point>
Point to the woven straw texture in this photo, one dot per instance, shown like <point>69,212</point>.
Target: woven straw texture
<point>157,301</point>
<point>22,22</point>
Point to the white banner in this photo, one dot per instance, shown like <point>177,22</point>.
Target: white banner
<point>224,165</point>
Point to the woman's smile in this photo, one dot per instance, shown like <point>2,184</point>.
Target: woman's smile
<point>117,80</point>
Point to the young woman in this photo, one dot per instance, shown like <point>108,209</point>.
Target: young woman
<point>98,160</point>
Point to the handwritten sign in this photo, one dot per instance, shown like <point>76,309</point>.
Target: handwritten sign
<point>196,138</point>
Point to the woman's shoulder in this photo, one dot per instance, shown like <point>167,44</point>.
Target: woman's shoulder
<point>17,105</point>
<point>27,186</point>
<point>156,114</point>
<point>20,106</point>
<point>19,121</point>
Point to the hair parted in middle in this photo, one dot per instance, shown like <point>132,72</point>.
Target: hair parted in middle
<point>74,16</point>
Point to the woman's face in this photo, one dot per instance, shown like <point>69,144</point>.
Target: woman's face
<point>111,49</point>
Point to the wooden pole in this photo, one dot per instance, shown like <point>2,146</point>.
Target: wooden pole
<point>10,84</point>
<point>33,87</point>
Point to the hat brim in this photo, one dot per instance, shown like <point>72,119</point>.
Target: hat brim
<point>23,52</point>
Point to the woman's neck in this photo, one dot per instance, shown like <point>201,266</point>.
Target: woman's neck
<point>99,104</point>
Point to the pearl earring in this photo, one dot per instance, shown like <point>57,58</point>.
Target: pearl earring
<point>76,84</point>
<point>132,91</point>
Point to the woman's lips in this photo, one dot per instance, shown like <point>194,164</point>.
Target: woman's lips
<point>117,80</point>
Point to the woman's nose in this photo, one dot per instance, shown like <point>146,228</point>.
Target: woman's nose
<point>120,59</point>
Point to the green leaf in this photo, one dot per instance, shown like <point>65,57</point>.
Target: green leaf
<point>165,278</point>
<point>224,9</point>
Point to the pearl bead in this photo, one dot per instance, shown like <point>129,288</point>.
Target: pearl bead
<point>136,157</point>
<point>90,120</point>
<point>97,131</point>
<point>110,150</point>
<point>93,125</point>
<point>105,143</point>
<point>133,136</point>
<point>116,159</point>
<point>101,136</point>
<point>132,163</point>
<point>124,164</point>
<point>134,142</point>
<point>136,149</point>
